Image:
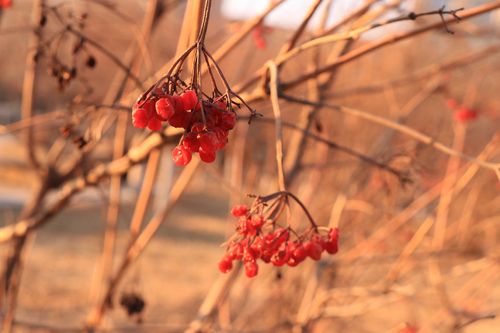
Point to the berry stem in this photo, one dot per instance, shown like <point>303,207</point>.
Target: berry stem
<point>297,200</point>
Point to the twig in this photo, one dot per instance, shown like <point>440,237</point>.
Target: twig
<point>145,194</point>
<point>370,47</point>
<point>423,73</point>
<point>273,71</point>
<point>419,203</point>
<point>369,160</point>
<point>11,275</point>
<point>402,129</point>
<point>352,34</point>
<point>140,243</point>
<point>298,32</point>
<point>117,167</point>
<point>107,53</point>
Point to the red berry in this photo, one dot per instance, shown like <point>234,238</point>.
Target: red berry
<point>139,118</point>
<point>220,106</point>
<point>228,120</point>
<point>177,103</point>
<point>189,99</point>
<point>191,142</point>
<point>292,262</point>
<point>246,228</point>
<point>181,156</point>
<point>409,329</point>
<point>258,37</point>
<point>206,156</point>
<point>236,251</point>
<point>239,210</point>
<point>465,114</point>
<point>197,127</point>
<point>225,265</point>
<point>164,108</point>
<point>300,253</point>
<point>221,136</point>
<point>332,244</point>
<point>180,119</point>
<point>257,247</point>
<point>250,254</point>
<point>154,123</point>
<point>251,268</point>
<point>212,118</point>
<point>280,258</point>
<point>281,235</point>
<point>257,221</point>
<point>5,4</point>
<point>260,43</point>
<point>331,247</point>
<point>313,250</point>
<point>334,234</point>
<point>208,141</point>
<point>316,238</point>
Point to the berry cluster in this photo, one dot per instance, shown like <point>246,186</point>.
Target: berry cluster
<point>206,124</point>
<point>259,238</point>
<point>461,113</point>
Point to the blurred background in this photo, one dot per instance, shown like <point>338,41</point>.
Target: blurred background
<point>419,246</point>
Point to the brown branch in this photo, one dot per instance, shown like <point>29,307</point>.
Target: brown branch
<point>133,59</point>
<point>140,243</point>
<point>117,167</point>
<point>273,73</point>
<point>11,275</point>
<point>360,51</point>
<point>370,47</point>
<point>423,73</point>
<point>495,167</point>
<point>369,160</point>
<point>29,81</point>
<point>235,39</point>
<point>363,8</point>
<point>107,53</point>
<point>298,32</point>
<point>145,194</point>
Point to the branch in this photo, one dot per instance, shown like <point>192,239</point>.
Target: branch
<point>93,177</point>
<point>423,73</point>
<point>375,45</point>
<point>400,128</point>
<point>273,72</point>
<point>369,160</point>
<point>348,35</point>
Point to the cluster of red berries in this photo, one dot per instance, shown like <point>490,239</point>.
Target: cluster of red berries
<point>206,130</point>
<point>257,239</point>
<point>461,113</point>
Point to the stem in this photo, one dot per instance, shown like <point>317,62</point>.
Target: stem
<point>297,200</point>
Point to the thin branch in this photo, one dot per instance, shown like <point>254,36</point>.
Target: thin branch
<point>348,35</point>
<point>110,55</point>
<point>423,73</point>
<point>273,71</point>
<point>298,32</point>
<point>116,167</point>
<point>400,128</point>
<point>391,39</point>
<point>364,158</point>
<point>139,244</point>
